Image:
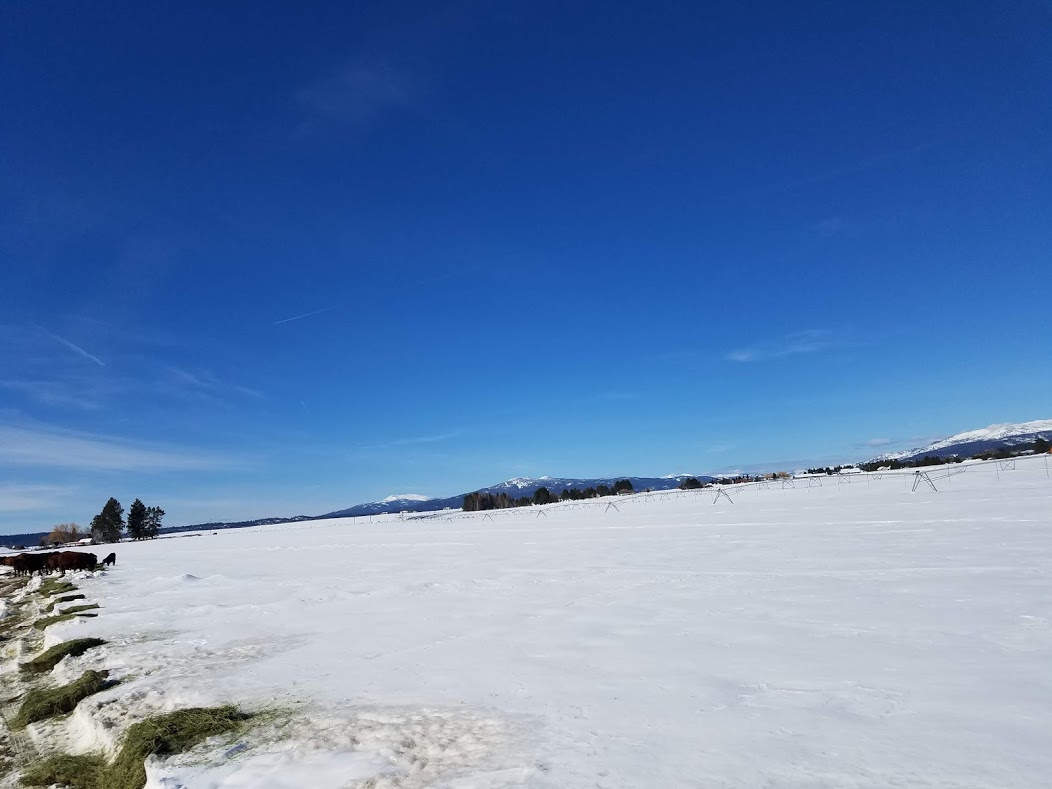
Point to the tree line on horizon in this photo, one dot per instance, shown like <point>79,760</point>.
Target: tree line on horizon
<point>143,522</point>
<point>109,525</point>
<point>482,500</point>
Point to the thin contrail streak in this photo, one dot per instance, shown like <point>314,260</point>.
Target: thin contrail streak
<point>305,315</point>
<point>76,348</point>
<point>851,169</point>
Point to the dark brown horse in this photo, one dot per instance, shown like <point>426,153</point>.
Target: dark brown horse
<point>72,560</point>
<point>29,563</point>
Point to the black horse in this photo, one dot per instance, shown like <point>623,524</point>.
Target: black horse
<point>111,559</point>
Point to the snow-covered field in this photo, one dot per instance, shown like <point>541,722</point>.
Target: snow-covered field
<point>850,635</point>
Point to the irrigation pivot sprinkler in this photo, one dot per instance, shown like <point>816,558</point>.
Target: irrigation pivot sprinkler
<point>918,476</point>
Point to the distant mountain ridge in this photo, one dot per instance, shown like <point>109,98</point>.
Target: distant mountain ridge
<point>965,444</point>
<point>516,488</point>
<point>972,442</point>
<point>414,502</point>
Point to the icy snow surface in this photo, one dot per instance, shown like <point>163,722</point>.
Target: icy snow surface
<point>849,635</point>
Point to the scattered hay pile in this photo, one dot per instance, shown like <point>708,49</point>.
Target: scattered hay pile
<point>41,703</point>
<point>76,609</point>
<point>49,659</point>
<point>52,586</point>
<point>40,624</point>
<point>163,735</point>
<point>67,599</point>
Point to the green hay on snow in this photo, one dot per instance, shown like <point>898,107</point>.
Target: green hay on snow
<point>80,772</point>
<point>67,599</point>
<point>41,703</point>
<point>52,586</point>
<point>76,609</point>
<point>163,735</point>
<point>40,624</point>
<point>49,659</point>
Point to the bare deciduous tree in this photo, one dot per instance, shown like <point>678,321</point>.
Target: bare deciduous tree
<point>65,532</point>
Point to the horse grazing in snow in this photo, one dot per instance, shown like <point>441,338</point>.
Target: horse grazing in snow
<point>72,560</point>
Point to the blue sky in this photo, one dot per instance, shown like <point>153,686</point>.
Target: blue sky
<point>258,259</point>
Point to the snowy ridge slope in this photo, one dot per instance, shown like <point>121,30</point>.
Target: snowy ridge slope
<point>516,487</point>
<point>404,497</point>
<point>972,441</point>
<point>412,502</point>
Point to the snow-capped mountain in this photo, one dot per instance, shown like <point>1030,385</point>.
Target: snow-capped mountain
<point>527,486</point>
<point>516,488</point>
<point>974,441</point>
<point>963,444</point>
<point>404,497</point>
<point>400,502</point>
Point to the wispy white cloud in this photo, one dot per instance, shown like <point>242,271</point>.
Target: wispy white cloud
<point>356,94</point>
<point>75,348</point>
<point>304,315</point>
<point>795,344</point>
<point>17,497</point>
<point>832,226</point>
<point>82,388</point>
<point>878,442</point>
<point>742,355</point>
<point>461,273</point>
<point>53,448</point>
<point>52,393</point>
<point>718,448</point>
<point>413,441</point>
<point>860,166</point>
<point>615,395</point>
<point>203,382</point>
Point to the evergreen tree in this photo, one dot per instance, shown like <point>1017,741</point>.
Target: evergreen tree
<point>543,496</point>
<point>108,524</point>
<point>137,520</point>
<point>152,523</point>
